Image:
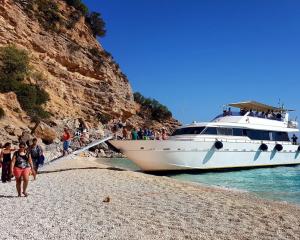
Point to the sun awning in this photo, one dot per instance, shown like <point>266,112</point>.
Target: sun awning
<point>256,106</point>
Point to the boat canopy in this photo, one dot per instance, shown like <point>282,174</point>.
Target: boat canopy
<point>256,106</point>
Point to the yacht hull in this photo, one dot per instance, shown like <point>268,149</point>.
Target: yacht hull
<point>185,155</point>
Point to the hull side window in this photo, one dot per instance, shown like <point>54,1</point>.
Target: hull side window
<point>280,136</point>
<point>187,131</point>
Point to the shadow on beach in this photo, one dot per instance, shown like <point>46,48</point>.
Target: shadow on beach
<point>82,168</point>
<point>7,196</point>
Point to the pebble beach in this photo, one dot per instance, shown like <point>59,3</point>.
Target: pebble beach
<point>79,198</point>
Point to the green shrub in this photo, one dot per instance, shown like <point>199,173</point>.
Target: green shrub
<point>48,14</point>
<point>31,97</point>
<point>104,118</point>
<point>2,113</point>
<point>45,11</point>
<point>15,63</point>
<point>79,5</point>
<point>14,68</point>
<point>96,23</point>
<point>158,111</point>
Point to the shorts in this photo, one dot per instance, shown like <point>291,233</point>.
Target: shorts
<point>66,145</point>
<point>21,172</point>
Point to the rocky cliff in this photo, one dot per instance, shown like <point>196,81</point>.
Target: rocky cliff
<point>81,78</point>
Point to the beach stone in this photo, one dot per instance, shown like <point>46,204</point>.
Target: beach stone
<point>25,136</point>
<point>45,132</point>
<point>17,132</point>
<point>9,130</point>
<point>106,200</point>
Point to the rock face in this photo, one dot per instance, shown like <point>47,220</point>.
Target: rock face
<point>15,120</point>
<point>81,78</point>
<point>44,132</point>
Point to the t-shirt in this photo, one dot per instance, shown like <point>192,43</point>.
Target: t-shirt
<point>134,135</point>
<point>22,161</point>
<point>35,151</point>
<point>66,136</point>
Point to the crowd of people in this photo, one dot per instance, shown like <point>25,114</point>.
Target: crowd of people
<point>122,131</point>
<point>269,114</point>
<point>20,163</point>
<point>145,134</point>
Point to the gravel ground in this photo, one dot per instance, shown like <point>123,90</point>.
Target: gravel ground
<point>66,202</point>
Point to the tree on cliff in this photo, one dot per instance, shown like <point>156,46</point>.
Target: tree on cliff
<point>79,5</point>
<point>96,23</point>
<point>14,68</point>
<point>157,111</point>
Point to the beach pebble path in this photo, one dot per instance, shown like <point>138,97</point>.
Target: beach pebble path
<point>70,202</point>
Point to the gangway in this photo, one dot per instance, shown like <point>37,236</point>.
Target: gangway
<point>80,150</point>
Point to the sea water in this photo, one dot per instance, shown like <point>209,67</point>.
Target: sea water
<point>277,183</point>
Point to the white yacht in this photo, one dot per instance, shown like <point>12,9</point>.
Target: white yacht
<point>255,136</point>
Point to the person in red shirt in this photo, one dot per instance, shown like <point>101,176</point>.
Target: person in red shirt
<point>66,138</point>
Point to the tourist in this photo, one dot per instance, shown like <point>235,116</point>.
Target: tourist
<point>294,138</point>
<point>278,116</point>
<point>84,137</point>
<point>164,134</point>
<point>125,133</point>
<point>229,112</point>
<point>36,153</point>
<point>140,134</point>
<point>66,138</point>
<point>120,124</point>
<point>145,134</point>
<point>150,134</point>
<point>269,114</point>
<point>5,159</point>
<point>134,134</point>
<point>20,166</point>
<point>82,125</point>
<point>157,135</point>
<point>251,114</point>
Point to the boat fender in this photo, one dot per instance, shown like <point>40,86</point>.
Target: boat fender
<point>218,145</point>
<point>263,147</point>
<point>298,149</point>
<point>278,147</point>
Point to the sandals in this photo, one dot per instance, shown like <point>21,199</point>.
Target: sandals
<point>25,194</point>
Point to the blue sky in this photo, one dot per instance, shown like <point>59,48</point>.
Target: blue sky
<point>195,56</point>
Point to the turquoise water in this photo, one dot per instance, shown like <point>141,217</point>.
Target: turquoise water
<point>280,183</point>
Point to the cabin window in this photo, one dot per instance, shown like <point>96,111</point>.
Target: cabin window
<point>224,131</point>
<point>187,131</point>
<point>258,134</point>
<point>238,132</point>
<point>210,131</point>
<point>280,136</point>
